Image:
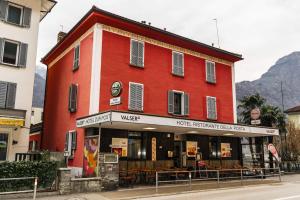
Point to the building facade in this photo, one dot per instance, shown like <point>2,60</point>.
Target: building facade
<point>293,116</point>
<point>156,98</point>
<point>19,25</point>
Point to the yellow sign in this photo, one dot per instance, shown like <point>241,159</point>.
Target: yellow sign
<point>11,122</point>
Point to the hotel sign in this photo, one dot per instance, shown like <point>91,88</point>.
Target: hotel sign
<point>173,122</point>
<point>11,122</point>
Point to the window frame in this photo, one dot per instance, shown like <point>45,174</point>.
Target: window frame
<point>207,110</point>
<point>17,53</point>
<point>21,16</point>
<point>138,41</point>
<point>182,102</point>
<point>69,149</point>
<point>206,72</point>
<point>129,91</point>
<point>182,54</point>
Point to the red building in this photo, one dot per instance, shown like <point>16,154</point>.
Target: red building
<point>152,95</point>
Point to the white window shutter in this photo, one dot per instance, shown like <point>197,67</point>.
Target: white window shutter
<point>170,102</point>
<point>1,49</point>
<point>140,62</point>
<point>11,95</point>
<point>76,59</point>
<point>3,8</point>
<point>3,92</point>
<point>26,17</point>
<point>210,72</point>
<point>136,96</point>
<point>177,68</point>
<point>211,108</point>
<point>74,140</point>
<point>134,53</point>
<point>22,55</point>
<point>186,104</point>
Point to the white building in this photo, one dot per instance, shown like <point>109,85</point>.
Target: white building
<point>36,115</point>
<point>19,26</point>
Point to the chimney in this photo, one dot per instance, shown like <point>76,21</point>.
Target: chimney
<point>60,36</point>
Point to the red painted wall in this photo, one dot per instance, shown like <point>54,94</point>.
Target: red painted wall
<point>158,79</point>
<point>58,120</point>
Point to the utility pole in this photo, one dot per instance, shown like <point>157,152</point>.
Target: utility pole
<point>216,20</point>
<point>282,104</point>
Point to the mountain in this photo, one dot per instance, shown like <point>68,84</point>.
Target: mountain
<point>39,87</point>
<point>286,71</point>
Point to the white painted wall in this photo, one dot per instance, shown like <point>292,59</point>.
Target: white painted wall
<point>24,77</point>
<point>36,115</point>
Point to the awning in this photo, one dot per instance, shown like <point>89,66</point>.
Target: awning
<point>144,122</point>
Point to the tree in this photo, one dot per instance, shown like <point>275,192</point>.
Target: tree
<point>292,143</point>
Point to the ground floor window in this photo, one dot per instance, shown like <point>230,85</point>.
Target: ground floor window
<point>134,149</point>
<point>3,145</point>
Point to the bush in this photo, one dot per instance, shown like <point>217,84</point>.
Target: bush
<point>44,170</point>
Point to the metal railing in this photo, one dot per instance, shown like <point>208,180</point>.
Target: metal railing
<point>22,191</point>
<point>215,176</point>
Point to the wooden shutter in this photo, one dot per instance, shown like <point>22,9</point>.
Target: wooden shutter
<point>67,142</point>
<point>178,64</point>
<point>140,62</point>
<point>210,72</point>
<point>3,92</point>
<point>170,102</point>
<point>3,8</point>
<point>186,104</point>
<point>26,17</point>
<point>76,57</point>
<point>74,140</point>
<point>1,49</point>
<point>134,53</point>
<point>73,98</point>
<point>211,108</point>
<point>22,55</point>
<point>11,95</point>
<point>136,96</point>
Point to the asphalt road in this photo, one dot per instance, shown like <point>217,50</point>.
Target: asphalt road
<point>289,189</point>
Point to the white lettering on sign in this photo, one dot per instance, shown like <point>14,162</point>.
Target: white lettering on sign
<point>115,101</point>
<point>93,120</point>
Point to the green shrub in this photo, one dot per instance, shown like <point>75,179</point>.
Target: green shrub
<point>44,170</point>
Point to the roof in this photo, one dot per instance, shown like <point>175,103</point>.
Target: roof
<point>46,7</point>
<point>293,110</point>
<point>96,15</point>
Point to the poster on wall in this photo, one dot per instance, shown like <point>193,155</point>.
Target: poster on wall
<point>153,149</point>
<point>119,146</point>
<point>225,150</point>
<point>90,156</point>
<point>191,148</point>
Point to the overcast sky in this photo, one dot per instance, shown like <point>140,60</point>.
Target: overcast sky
<point>261,30</point>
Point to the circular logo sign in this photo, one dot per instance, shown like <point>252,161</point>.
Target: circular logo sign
<point>255,113</point>
<point>116,89</point>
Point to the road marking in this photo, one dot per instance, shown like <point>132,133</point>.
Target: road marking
<point>290,197</point>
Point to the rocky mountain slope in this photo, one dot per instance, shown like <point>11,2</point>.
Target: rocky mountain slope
<point>39,87</point>
<point>285,70</point>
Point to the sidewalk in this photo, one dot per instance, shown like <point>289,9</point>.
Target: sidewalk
<point>144,191</point>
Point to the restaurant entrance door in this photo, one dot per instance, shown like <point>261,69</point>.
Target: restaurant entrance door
<point>177,154</point>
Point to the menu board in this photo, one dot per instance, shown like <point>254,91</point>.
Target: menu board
<point>191,148</point>
<point>119,146</point>
<point>225,150</point>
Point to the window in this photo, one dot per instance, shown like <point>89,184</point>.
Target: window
<point>214,147</point>
<point>15,14</point>
<point>3,146</point>
<point>33,145</point>
<point>211,104</point>
<point>178,103</point>
<point>210,72</point>
<point>73,98</point>
<point>177,64</point>
<point>136,97</point>
<point>76,57</point>
<point>134,148</point>
<point>137,53</point>
<point>13,52</point>
<point>7,94</point>
<point>71,142</point>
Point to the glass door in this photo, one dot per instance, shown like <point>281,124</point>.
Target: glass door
<point>3,146</point>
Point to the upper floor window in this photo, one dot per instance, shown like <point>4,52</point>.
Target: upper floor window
<point>210,72</point>
<point>15,14</point>
<point>76,57</point>
<point>177,63</point>
<point>71,142</point>
<point>73,97</point>
<point>7,94</point>
<point>137,53</point>
<point>136,97</point>
<point>211,104</point>
<point>178,103</point>
<point>13,52</point>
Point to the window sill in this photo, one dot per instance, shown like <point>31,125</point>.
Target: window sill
<point>212,83</point>
<point>14,24</point>
<point>178,115</point>
<point>178,75</point>
<point>75,69</point>
<point>11,65</point>
<point>137,66</point>
<point>138,111</point>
